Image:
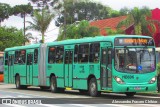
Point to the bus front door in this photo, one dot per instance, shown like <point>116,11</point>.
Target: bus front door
<point>68,68</point>
<point>11,68</point>
<point>29,70</point>
<point>106,68</point>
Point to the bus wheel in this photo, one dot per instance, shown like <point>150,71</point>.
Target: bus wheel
<point>18,86</point>
<point>130,94</point>
<point>93,88</point>
<point>53,84</point>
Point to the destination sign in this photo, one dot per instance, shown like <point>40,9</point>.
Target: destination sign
<point>134,42</point>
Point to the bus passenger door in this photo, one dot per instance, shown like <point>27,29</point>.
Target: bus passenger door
<point>29,70</point>
<point>68,68</point>
<point>11,68</point>
<point>106,68</point>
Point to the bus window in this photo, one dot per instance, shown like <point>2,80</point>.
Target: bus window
<point>94,52</point>
<point>76,54</point>
<point>104,56</point>
<point>20,57</point>
<point>29,59</point>
<point>83,53</point>
<point>17,54</point>
<point>6,58</point>
<point>59,54</point>
<point>35,56</point>
<point>51,55</point>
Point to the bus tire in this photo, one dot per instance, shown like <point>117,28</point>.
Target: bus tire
<point>53,84</point>
<point>18,84</point>
<point>93,88</point>
<point>130,94</point>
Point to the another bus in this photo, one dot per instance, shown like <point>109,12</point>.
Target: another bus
<point>121,63</point>
<point>1,66</point>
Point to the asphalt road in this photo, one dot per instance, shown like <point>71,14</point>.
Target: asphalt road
<point>44,98</point>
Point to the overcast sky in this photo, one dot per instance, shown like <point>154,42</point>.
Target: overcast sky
<point>53,31</point>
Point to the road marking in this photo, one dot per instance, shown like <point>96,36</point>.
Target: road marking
<point>150,105</point>
<point>49,105</point>
<point>14,105</point>
<point>82,105</point>
<point>31,95</point>
<point>116,105</point>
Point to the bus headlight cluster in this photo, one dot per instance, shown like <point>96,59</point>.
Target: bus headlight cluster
<point>153,80</point>
<point>119,80</point>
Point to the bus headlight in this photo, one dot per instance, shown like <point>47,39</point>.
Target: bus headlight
<point>153,80</point>
<point>119,80</point>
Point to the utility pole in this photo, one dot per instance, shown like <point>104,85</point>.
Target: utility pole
<point>24,17</point>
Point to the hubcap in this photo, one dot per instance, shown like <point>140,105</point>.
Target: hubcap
<point>93,88</point>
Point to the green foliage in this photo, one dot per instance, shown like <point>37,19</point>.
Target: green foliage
<point>41,22</point>
<point>5,11</point>
<point>113,32</point>
<point>10,37</point>
<point>158,68</point>
<point>22,9</point>
<point>80,30</point>
<point>124,11</point>
<point>115,13</point>
<point>138,18</point>
<point>82,10</point>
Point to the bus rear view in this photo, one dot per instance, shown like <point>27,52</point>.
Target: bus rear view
<point>134,68</point>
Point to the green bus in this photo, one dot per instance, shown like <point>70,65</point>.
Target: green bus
<point>121,63</point>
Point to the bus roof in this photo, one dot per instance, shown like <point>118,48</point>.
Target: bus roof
<point>93,39</point>
<point>23,47</point>
<point>76,41</point>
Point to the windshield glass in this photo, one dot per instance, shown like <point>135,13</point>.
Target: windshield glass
<point>135,60</point>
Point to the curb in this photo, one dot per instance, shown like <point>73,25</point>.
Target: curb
<point>149,94</point>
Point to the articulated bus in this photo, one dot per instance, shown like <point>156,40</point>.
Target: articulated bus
<point>120,64</point>
<point>1,66</point>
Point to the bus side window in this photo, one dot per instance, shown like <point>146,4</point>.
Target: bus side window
<point>59,54</point>
<point>17,54</point>
<point>76,54</point>
<point>35,56</point>
<point>94,52</point>
<point>83,53</point>
<point>22,57</point>
<point>104,56</point>
<point>51,55</point>
<point>29,59</point>
<point>6,58</point>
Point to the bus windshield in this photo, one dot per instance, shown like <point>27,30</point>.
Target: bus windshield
<point>135,60</point>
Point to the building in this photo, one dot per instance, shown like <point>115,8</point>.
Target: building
<point>156,16</point>
<point>113,22</point>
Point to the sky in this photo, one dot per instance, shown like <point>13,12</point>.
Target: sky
<point>52,31</point>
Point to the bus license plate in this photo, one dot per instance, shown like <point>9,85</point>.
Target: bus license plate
<point>137,88</point>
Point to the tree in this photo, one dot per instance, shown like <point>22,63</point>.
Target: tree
<point>113,32</point>
<point>23,10</point>
<point>80,30</point>
<point>10,37</point>
<point>138,18</point>
<point>82,10</point>
<point>41,22</point>
<point>5,11</point>
<point>124,11</point>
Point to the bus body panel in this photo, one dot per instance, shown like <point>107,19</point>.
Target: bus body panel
<point>76,74</point>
